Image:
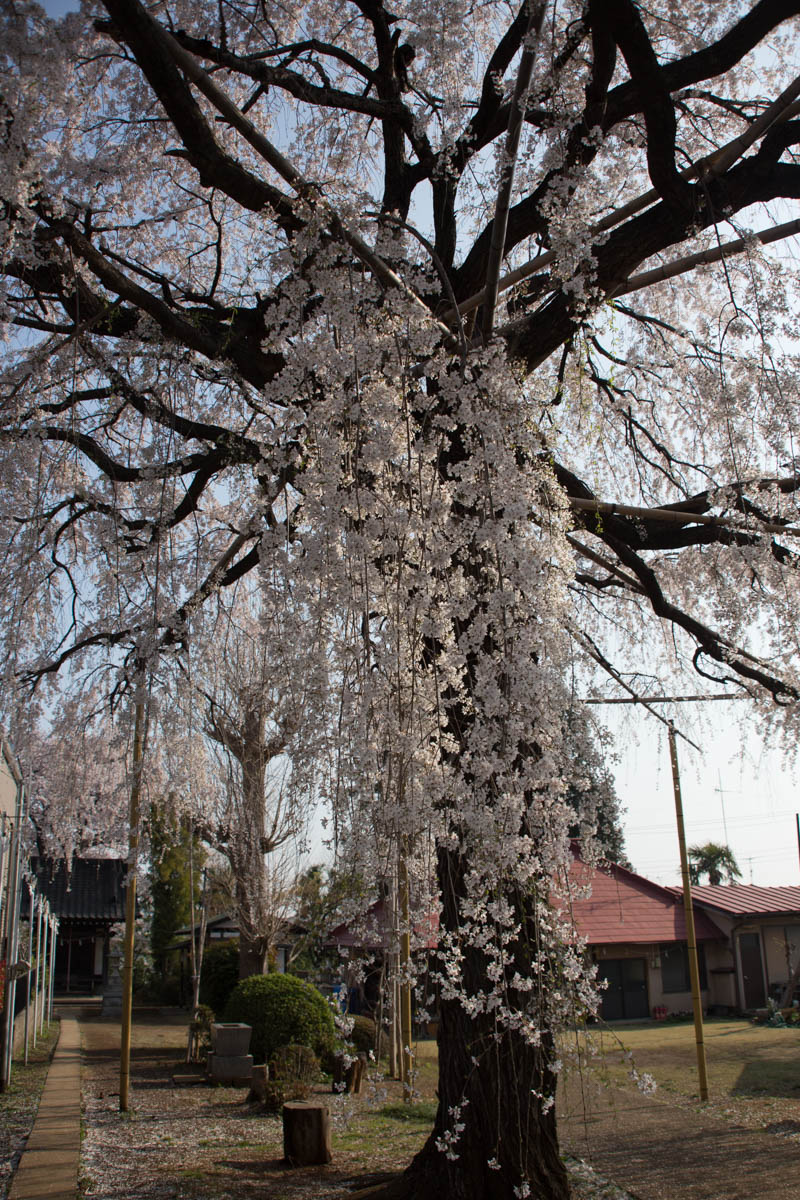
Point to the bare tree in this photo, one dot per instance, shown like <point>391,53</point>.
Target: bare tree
<point>258,692</point>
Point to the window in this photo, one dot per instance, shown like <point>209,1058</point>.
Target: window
<point>675,967</point>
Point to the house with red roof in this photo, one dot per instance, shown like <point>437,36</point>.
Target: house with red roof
<point>762,930</point>
<point>748,939</point>
<point>635,931</point>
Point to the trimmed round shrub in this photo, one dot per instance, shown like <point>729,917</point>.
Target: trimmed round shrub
<point>293,1070</point>
<point>220,973</point>
<point>295,1064</point>
<point>282,1010</point>
<point>363,1034</point>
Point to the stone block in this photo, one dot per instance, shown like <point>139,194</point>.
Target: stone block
<point>233,1070</point>
<point>230,1037</point>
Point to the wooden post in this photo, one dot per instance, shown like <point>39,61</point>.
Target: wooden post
<point>348,1079</point>
<point>130,909</point>
<point>691,941</point>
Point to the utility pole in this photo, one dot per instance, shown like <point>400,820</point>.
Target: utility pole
<point>691,940</point>
<point>722,792</point>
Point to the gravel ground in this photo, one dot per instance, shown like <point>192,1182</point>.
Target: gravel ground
<point>200,1143</point>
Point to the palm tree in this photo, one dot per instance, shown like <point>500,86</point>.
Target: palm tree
<point>715,861</point>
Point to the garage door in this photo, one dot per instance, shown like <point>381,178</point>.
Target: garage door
<point>625,997</point>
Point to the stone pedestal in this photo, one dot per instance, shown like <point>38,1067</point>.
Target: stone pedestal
<point>230,1038</point>
<point>112,995</point>
<point>232,1070</point>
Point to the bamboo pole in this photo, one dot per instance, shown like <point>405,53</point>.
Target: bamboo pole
<point>130,909</point>
<point>691,940</point>
<point>395,1068</point>
<point>192,949</point>
<point>305,188</point>
<point>45,955</point>
<point>712,165</point>
<point>405,979</point>
<point>5,845</point>
<point>53,938</point>
<point>39,908</point>
<point>391,1000</point>
<point>31,908</point>
<point>198,950</point>
<point>12,921</point>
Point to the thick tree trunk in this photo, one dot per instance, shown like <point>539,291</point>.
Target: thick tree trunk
<point>253,944</point>
<point>252,902</point>
<point>494,1082</point>
<point>252,957</point>
<point>508,1136</point>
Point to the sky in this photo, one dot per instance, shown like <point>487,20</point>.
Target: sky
<point>739,791</point>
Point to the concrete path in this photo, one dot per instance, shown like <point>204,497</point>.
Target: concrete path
<point>663,1151</point>
<point>48,1169</point>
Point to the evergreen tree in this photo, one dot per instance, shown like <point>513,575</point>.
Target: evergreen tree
<point>714,860</point>
<point>590,789</point>
<point>171,844</point>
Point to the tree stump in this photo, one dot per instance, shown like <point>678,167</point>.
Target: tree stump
<point>348,1079</point>
<point>306,1134</point>
<point>258,1083</point>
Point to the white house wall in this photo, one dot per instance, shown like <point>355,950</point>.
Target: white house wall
<point>8,790</point>
<point>673,1002</point>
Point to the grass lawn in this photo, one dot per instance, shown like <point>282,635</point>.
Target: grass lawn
<point>753,1070</point>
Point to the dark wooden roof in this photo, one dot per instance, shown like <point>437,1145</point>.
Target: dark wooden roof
<point>92,890</point>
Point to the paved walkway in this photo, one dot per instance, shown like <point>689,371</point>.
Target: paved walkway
<point>661,1151</point>
<point>48,1169</point>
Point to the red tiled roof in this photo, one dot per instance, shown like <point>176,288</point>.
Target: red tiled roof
<point>374,931</point>
<point>626,908</point>
<point>743,899</point>
<point>622,908</point>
